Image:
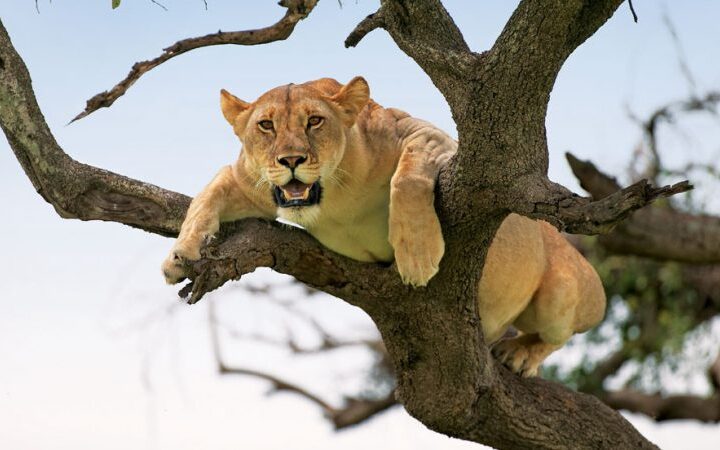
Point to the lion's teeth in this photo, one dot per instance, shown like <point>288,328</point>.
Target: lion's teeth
<point>296,195</point>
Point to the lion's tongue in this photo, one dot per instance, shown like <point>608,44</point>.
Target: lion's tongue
<point>296,189</point>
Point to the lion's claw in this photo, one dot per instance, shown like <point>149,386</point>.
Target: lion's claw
<point>175,266</point>
<point>524,354</point>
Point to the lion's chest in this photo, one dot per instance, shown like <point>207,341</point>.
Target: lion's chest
<point>358,233</point>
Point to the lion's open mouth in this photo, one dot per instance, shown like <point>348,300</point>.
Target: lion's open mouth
<point>297,193</point>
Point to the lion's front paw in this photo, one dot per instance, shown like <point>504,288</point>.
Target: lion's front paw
<point>418,251</point>
<point>175,266</point>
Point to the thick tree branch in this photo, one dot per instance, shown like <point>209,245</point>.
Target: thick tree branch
<point>500,115</point>
<point>658,232</point>
<point>75,190</point>
<point>424,31</point>
<point>656,406</point>
<point>537,40</point>
<point>244,246</point>
<point>297,10</point>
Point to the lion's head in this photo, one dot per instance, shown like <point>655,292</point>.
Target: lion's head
<point>294,138</point>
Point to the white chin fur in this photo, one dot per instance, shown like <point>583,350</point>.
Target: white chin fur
<point>305,216</point>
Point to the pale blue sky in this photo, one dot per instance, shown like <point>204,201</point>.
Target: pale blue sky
<point>68,380</point>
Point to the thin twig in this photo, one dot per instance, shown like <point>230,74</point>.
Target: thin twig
<point>296,11</point>
<point>681,56</point>
<point>277,383</point>
<point>159,4</point>
<point>354,410</point>
<point>632,10</point>
<point>666,115</point>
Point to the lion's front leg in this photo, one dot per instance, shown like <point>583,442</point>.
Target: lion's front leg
<point>222,200</point>
<point>415,233</point>
<point>201,223</point>
<point>414,229</point>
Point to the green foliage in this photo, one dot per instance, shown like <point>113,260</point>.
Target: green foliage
<point>115,3</point>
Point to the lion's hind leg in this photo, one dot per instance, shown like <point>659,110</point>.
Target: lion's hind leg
<point>548,322</point>
<point>524,354</point>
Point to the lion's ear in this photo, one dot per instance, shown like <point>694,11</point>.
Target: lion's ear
<point>231,106</point>
<point>351,99</point>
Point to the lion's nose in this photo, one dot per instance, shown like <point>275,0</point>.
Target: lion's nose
<point>292,161</point>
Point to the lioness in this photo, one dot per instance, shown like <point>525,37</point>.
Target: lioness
<point>360,178</point>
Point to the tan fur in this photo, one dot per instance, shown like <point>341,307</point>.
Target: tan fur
<point>377,168</point>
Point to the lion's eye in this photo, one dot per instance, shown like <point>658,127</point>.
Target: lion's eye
<point>265,125</point>
<point>315,121</point>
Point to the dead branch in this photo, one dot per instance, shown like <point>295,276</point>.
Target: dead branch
<point>327,341</point>
<point>667,114</point>
<point>580,215</point>
<point>632,11</point>
<point>354,410</point>
<point>661,233</point>
<point>297,10</point>
<point>158,4</point>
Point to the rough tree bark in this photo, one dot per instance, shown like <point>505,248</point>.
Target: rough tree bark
<point>446,376</point>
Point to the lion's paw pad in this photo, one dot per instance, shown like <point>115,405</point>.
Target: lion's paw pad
<point>174,267</point>
<point>518,357</point>
<point>418,263</point>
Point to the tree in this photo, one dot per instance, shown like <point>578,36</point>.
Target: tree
<point>446,377</point>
